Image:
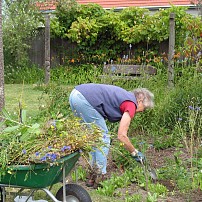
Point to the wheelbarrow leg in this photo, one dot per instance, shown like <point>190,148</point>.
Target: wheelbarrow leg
<point>31,194</point>
<point>63,184</point>
<point>50,195</point>
<point>3,189</point>
<point>48,192</point>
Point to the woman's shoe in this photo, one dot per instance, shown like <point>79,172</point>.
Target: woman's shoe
<point>97,183</point>
<point>91,180</point>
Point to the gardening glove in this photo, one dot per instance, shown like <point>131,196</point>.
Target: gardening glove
<point>138,156</point>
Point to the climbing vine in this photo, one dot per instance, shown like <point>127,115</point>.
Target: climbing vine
<point>106,32</point>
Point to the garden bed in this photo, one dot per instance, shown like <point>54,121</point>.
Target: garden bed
<point>158,160</point>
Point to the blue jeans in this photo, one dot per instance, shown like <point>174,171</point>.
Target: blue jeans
<point>83,109</point>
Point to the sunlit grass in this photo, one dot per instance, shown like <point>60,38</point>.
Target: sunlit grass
<point>26,95</point>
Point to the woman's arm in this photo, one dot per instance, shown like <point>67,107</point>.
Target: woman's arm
<point>123,130</point>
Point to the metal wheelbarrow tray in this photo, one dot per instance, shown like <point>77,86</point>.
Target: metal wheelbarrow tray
<point>40,176</point>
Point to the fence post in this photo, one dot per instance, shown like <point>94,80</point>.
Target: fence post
<point>171,50</point>
<point>2,93</point>
<point>47,49</point>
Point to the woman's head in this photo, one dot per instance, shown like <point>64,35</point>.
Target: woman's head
<point>145,96</point>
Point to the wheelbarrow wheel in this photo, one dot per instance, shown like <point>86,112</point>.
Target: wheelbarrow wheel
<point>74,193</point>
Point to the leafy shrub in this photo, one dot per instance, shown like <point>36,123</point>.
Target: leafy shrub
<point>57,97</point>
<point>102,35</point>
<point>74,75</point>
<point>26,75</point>
<point>20,24</point>
<point>170,104</point>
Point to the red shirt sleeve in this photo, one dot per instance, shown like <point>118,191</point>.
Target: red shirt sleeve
<point>128,106</point>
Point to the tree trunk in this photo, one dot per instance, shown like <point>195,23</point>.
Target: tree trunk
<point>2,96</point>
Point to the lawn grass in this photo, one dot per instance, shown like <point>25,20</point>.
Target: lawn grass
<point>27,95</point>
<point>93,194</point>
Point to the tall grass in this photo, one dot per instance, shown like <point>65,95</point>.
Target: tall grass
<point>169,103</point>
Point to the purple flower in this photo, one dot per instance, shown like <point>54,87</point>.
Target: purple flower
<point>196,108</point>
<point>190,107</point>
<point>65,148</point>
<point>49,147</point>
<point>24,151</point>
<point>48,155</point>
<point>43,158</point>
<point>37,153</point>
<point>179,119</point>
<point>53,157</point>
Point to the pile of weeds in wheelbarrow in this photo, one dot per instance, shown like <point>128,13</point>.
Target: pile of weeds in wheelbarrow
<point>22,144</point>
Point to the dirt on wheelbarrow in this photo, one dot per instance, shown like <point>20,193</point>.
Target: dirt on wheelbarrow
<point>157,159</point>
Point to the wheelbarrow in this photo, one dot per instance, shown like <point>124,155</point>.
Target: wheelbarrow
<point>36,177</point>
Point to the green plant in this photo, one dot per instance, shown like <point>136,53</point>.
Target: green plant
<point>134,175</point>
<point>23,144</point>
<point>152,198</point>
<point>57,101</point>
<point>66,14</point>
<point>121,156</point>
<point>184,184</point>
<point>197,181</point>
<point>179,172</point>
<point>101,35</point>
<point>21,21</point>
<point>158,189</point>
<point>73,75</point>
<point>190,130</point>
<point>107,190</point>
<point>164,140</point>
<point>26,75</point>
<point>133,198</point>
<point>79,174</point>
<point>170,104</point>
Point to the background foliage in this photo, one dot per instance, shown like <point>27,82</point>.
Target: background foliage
<point>99,35</point>
<point>21,20</point>
<point>104,34</point>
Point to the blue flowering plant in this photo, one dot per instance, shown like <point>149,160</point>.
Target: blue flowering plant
<point>22,144</point>
<point>189,129</point>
